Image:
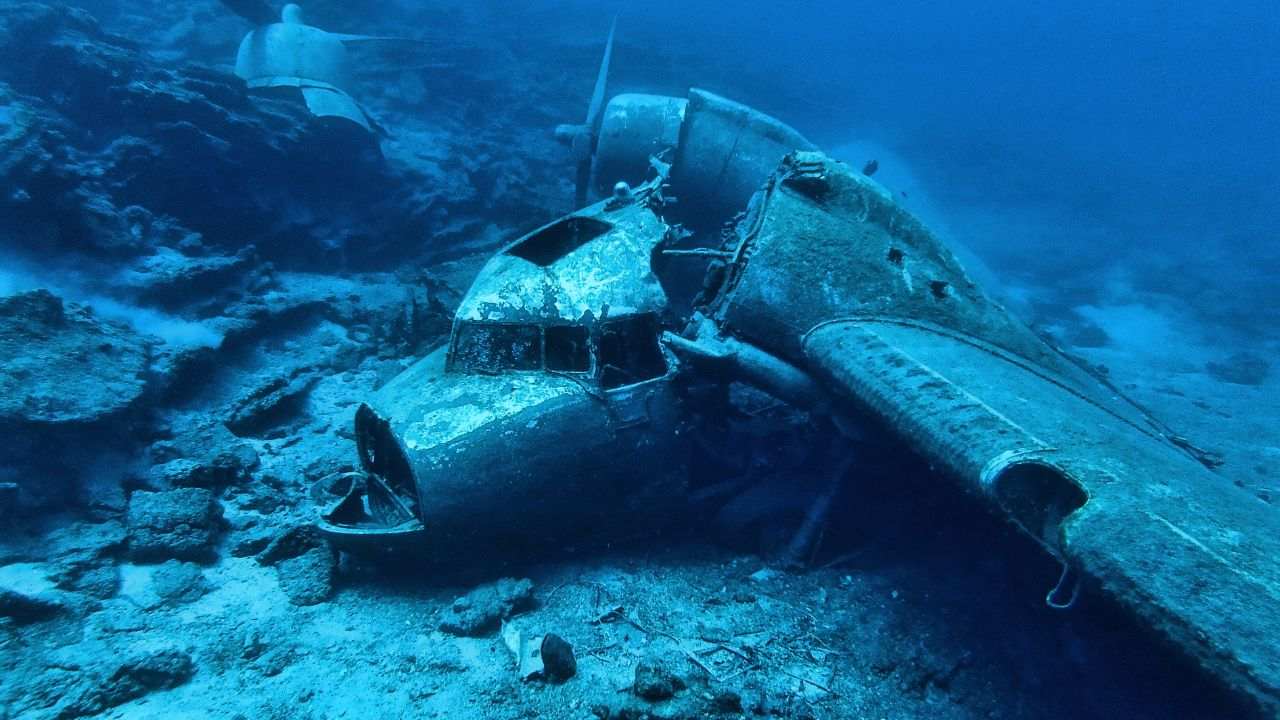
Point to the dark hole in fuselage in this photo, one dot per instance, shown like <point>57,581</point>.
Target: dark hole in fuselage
<point>559,239</point>
<point>938,288</point>
<point>895,256</point>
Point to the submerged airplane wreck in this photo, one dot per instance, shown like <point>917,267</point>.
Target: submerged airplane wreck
<point>556,409</point>
<point>284,52</point>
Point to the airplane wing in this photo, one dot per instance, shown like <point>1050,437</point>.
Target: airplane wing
<point>833,277</point>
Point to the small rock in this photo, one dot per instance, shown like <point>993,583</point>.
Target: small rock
<point>254,645</point>
<point>480,611</point>
<point>308,578</point>
<point>161,670</point>
<point>250,545</point>
<point>65,365</point>
<point>726,702</point>
<point>169,277</point>
<point>238,463</point>
<point>179,583</point>
<point>88,541</point>
<point>558,661</point>
<point>162,451</point>
<point>306,565</point>
<point>1241,368</point>
<point>290,543</point>
<point>176,474</point>
<point>96,581</point>
<point>273,403</point>
<point>1089,336</point>
<point>274,661</point>
<point>61,692</point>
<point>230,467</point>
<point>177,524</point>
<point>654,681</point>
<point>24,609</point>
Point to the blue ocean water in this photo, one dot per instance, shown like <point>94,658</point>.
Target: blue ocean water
<point>289,427</point>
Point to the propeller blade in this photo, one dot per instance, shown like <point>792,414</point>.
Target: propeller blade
<point>582,139</point>
<point>597,95</point>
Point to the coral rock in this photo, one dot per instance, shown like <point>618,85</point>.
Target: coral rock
<point>176,524</point>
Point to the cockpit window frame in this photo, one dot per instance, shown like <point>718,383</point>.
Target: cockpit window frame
<point>454,364</point>
<point>644,321</point>
<point>657,364</point>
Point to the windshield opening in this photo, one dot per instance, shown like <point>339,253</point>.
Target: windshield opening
<point>493,347</point>
<point>559,239</point>
<point>568,348</point>
<point>629,351</point>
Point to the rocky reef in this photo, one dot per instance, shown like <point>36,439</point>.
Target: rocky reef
<point>63,365</point>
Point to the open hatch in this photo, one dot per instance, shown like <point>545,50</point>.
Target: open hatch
<point>377,503</point>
